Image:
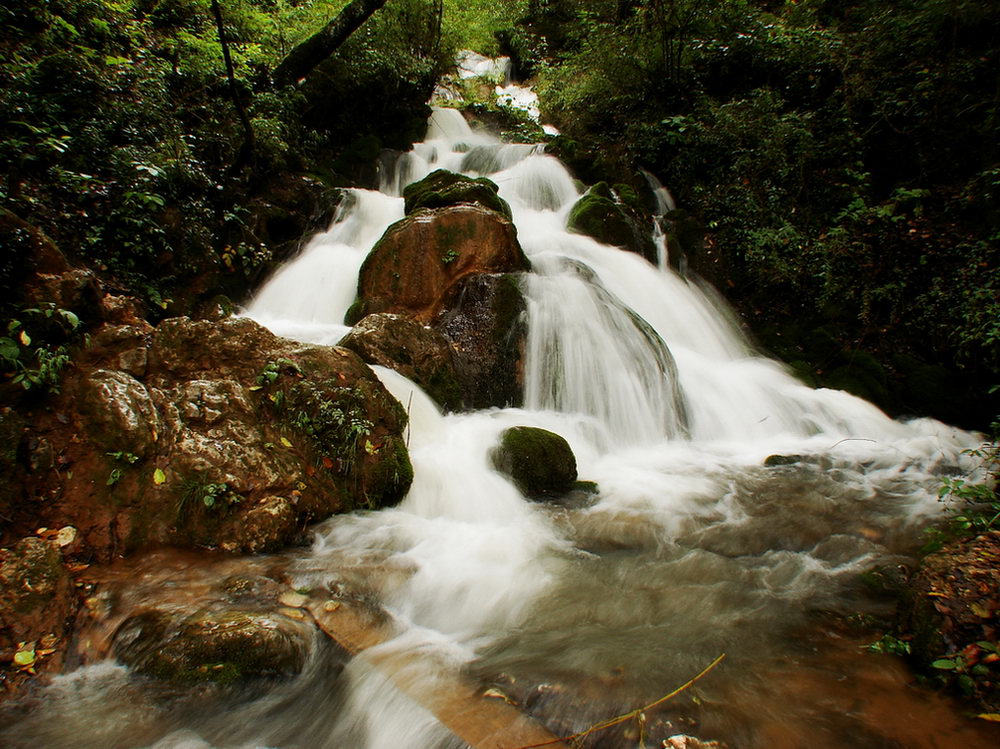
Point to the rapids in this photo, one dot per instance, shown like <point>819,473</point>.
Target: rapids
<point>692,547</point>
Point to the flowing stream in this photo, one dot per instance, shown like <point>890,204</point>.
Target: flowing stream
<point>583,610</point>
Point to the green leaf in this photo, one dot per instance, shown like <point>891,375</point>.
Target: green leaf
<point>71,318</point>
<point>9,349</point>
<point>945,664</point>
<point>159,476</point>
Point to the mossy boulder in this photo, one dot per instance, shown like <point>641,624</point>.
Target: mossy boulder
<point>442,188</point>
<point>485,319</point>
<point>416,351</point>
<point>213,434</point>
<point>417,263</point>
<point>213,646</point>
<point>538,461</point>
<point>603,215</point>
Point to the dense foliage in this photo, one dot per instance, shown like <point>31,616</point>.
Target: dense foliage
<point>121,139</point>
<point>843,157</point>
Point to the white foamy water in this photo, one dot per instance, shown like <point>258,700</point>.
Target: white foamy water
<point>689,548</point>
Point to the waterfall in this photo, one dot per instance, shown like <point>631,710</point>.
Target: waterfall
<point>690,547</point>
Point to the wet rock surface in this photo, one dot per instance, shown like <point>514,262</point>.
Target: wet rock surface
<point>210,434</point>
<point>603,214</point>
<point>418,352</point>
<point>442,188</point>
<point>220,646</point>
<point>415,266</point>
<point>485,318</point>
<point>37,606</point>
<point>538,461</point>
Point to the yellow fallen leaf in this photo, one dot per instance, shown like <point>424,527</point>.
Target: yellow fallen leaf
<point>993,717</point>
<point>25,658</point>
<point>497,694</point>
<point>159,476</point>
<point>293,600</point>
<point>285,442</point>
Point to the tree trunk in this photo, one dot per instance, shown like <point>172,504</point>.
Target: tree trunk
<point>310,53</point>
<point>246,149</point>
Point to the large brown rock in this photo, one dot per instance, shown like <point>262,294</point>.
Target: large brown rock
<point>485,318</point>
<point>415,351</point>
<point>211,434</point>
<point>417,263</point>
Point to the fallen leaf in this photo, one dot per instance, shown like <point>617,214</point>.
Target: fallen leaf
<point>293,600</point>
<point>993,717</point>
<point>497,694</point>
<point>979,610</point>
<point>159,476</point>
<point>66,535</point>
<point>25,656</point>
<point>285,442</point>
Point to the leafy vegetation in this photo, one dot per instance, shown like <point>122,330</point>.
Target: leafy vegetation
<point>37,347</point>
<point>119,137</point>
<point>973,502</point>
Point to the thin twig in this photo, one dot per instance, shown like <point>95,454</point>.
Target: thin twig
<point>852,439</point>
<point>632,713</point>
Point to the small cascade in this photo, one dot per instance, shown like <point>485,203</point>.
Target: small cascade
<point>590,354</point>
<point>308,297</point>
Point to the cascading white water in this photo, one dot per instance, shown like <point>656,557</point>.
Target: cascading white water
<point>691,547</point>
<point>662,398</point>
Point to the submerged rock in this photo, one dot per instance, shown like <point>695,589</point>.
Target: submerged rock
<point>420,353</point>
<point>222,647</point>
<point>775,461</point>
<point>485,318</point>
<point>414,267</point>
<point>442,188</point>
<point>602,214</point>
<point>538,461</point>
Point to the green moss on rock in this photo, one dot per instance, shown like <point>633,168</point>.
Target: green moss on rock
<point>598,214</point>
<point>538,461</point>
<point>442,188</point>
<point>222,647</point>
